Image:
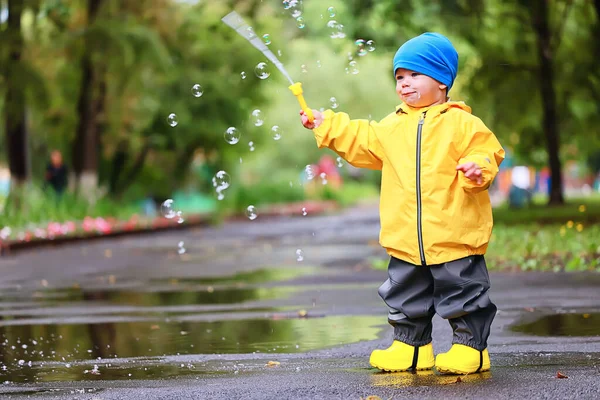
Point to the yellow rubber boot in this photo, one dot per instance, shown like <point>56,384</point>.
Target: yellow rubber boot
<point>401,357</point>
<point>461,359</point>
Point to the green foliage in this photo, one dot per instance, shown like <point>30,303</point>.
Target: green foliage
<point>43,206</point>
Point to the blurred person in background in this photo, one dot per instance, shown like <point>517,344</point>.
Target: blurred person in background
<point>57,173</point>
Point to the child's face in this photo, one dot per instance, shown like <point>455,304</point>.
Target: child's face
<point>418,90</point>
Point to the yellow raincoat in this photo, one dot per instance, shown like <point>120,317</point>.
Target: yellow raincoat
<point>430,212</point>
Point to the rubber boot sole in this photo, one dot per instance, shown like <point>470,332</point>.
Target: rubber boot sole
<point>458,372</point>
<point>399,369</point>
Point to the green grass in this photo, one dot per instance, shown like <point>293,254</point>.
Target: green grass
<point>585,210</point>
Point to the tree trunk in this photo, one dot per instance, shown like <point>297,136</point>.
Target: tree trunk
<point>89,106</point>
<point>134,171</point>
<point>539,14</point>
<point>15,126</point>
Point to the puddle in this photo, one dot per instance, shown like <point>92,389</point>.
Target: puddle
<point>562,325</point>
<point>27,351</point>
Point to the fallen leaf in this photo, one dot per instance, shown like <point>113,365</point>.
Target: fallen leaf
<point>372,398</point>
<point>559,375</point>
<point>272,364</point>
<point>44,283</point>
<point>210,289</point>
<point>108,253</point>
<point>530,309</point>
<point>302,313</point>
<point>586,315</point>
<point>458,380</point>
<point>112,279</point>
<point>154,327</point>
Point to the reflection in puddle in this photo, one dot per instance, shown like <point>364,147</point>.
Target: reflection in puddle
<point>562,325</point>
<point>33,353</point>
<point>424,378</point>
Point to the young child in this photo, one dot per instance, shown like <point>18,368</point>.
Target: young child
<point>437,161</point>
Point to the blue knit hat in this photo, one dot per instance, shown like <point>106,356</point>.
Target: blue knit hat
<point>431,54</point>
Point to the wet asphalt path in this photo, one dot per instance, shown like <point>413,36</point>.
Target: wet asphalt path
<point>131,318</point>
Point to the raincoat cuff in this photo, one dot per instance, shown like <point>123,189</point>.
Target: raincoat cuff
<point>488,172</point>
<point>322,130</point>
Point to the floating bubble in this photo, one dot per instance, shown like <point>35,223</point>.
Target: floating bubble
<point>243,75</point>
<point>370,45</point>
<point>319,63</point>
<point>276,132</point>
<point>304,68</point>
<point>172,120</point>
<point>197,90</point>
<point>300,22</point>
<point>180,248</point>
<point>267,39</point>
<point>336,30</point>
<point>309,172</point>
<point>232,135</point>
<point>279,53</point>
<point>353,67</point>
<point>179,216</point>
<point>221,180</point>
<point>334,103</point>
<point>304,211</point>
<point>166,209</point>
<point>299,255</point>
<point>296,13</point>
<point>340,162</point>
<point>323,177</point>
<point>360,47</point>
<point>250,33</point>
<point>251,213</point>
<point>251,145</point>
<point>257,118</point>
<point>262,70</point>
<point>331,12</point>
<point>287,4</point>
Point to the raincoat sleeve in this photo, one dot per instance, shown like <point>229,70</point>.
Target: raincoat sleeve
<point>482,148</point>
<point>354,140</point>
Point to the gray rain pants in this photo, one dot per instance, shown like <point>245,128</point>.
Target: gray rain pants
<point>456,290</point>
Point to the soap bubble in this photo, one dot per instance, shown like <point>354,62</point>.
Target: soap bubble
<point>304,211</point>
<point>267,39</point>
<point>232,135</point>
<point>279,53</point>
<point>180,219</point>
<point>287,4</point>
<point>197,90</point>
<point>299,255</point>
<point>257,118</point>
<point>353,67</point>
<point>370,45</point>
<point>335,30</point>
<point>221,180</point>
<point>276,132</point>
<point>331,12</point>
<point>262,70</point>
<point>323,176</point>
<point>300,22</point>
<point>181,248</point>
<point>296,13</point>
<point>334,103</point>
<point>319,63</point>
<point>243,75</point>
<point>340,162</point>
<point>309,172</point>
<point>251,145</point>
<point>172,120</point>
<point>167,210</point>
<point>360,47</point>
<point>251,213</point>
<point>304,68</point>
<point>250,33</point>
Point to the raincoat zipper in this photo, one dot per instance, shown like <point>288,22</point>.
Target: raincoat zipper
<point>419,209</point>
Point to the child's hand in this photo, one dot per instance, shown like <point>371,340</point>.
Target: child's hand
<point>472,171</point>
<point>316,122</point>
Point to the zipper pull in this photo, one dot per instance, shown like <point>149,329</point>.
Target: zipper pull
<point>422,118</point>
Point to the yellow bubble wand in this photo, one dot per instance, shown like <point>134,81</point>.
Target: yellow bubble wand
<point>237,23</point>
